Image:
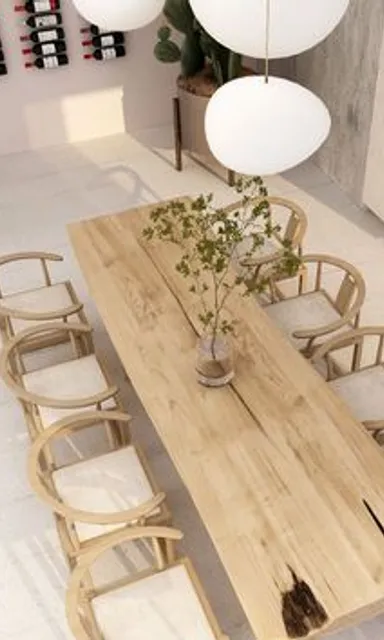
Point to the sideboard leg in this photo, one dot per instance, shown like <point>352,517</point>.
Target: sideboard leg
<point>177,134</point>
<point>231,178</point>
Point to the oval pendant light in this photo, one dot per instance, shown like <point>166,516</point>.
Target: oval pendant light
<point>261,128</point>
<point>296,25</point>
<point>119,15</point>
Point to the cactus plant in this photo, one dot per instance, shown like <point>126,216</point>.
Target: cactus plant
<point>198,47</point>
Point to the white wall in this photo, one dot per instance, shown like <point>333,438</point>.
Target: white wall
<point>85,99</point>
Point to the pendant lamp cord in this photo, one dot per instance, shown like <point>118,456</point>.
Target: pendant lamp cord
<point>267,35</point>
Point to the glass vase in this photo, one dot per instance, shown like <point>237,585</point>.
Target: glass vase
<point>214,361</point>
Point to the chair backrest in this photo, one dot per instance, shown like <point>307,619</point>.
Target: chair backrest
<point>293,222</point>
<point>39,256</point>
<point>11,366</point>
<point>81,590</point>
<point>363,352</point>
<point>40,476</point>
<point>351,292</point>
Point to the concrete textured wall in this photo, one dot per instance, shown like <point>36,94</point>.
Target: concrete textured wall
<point>343,72</point>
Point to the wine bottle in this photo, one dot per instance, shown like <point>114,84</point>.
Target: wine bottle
<point>49,62</point>
<point>38,6</point>
<point>1,56</point>
<point>3,69</point>
<point>96,31</point>
<point>47,49</point>
<point>44,20</point>
<point>108,40</point>
<point>47,35</point>
<point>106,54</point>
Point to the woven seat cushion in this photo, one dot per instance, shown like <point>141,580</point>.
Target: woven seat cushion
<point>42,300</point>
<point>70,380</point>
<point>109,483</point>
<point>263,253</point>
<point>363,392</point>
<point>308,311</point>
<point>163,606</point>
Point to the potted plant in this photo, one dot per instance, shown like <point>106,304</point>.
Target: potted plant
<point>210,240</point>
<point>205,66</point>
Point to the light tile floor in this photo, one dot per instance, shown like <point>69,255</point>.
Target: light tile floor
<point>40,193</point>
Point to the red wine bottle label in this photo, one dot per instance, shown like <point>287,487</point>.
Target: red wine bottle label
<point>46,36</point>
<point>107,54</point>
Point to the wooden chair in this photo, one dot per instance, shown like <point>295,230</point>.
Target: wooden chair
<point>359,381</point>
<point>316,310</point>
<point>47,302</point>
<point>291,232</point>
<point>164,602</point>
<point>58,391</point>
<point>93,497</point>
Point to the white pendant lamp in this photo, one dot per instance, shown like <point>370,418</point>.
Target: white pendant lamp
<point>262,128</point>
<point>262,125</point>
<point>296,25</point>
<point>119,15</point>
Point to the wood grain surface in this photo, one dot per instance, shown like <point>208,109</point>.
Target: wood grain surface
<point>288,484</point>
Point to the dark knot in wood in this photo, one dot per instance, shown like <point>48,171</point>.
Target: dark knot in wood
<point>302,613</point>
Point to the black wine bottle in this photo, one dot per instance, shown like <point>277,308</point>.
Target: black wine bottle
<point>47,48</point>
<point>107,40</point>
<point>48,62</point>
<point>1,56</point>
<point>47,35</point>
<point>3,69</point>
<point>96,31</point>
<point>106,54</point>
<point>38,6</point>
<point>44,20</point>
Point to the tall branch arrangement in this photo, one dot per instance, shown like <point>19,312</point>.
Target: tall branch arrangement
<point>212,240</point>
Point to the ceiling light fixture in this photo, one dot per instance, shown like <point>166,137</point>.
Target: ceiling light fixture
<point>119,15</point>
<point>296,25</point>
<point>262,125</point>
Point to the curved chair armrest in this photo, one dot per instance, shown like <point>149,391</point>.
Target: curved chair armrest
<point>374,425</point>
<point>54,403</point>
<point>62,427</point>
<point>345,340</point>
<point>87,558</point>
<point>329,328</point>
<point>40,317</point>
<point>336,262</point>
<point>30,255</point>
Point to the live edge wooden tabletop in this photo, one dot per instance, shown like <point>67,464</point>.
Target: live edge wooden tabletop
<point>288,484</point>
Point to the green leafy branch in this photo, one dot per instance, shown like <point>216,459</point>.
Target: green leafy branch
<point>211,239</point>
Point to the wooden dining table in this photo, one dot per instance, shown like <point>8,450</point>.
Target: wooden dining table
<point>288,484</point>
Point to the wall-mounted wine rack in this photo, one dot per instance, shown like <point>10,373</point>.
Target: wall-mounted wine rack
<point>102,45</point>
<point>3,65</point>
<point>46,45</point>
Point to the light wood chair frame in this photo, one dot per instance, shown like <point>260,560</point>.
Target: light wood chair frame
<point>41,480</point>
<point>81,592</point>
<point>7,314</point>
<point>348,301</point>
<point>354,338</point>
<point>294,231</point>
<point>12,368</point>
